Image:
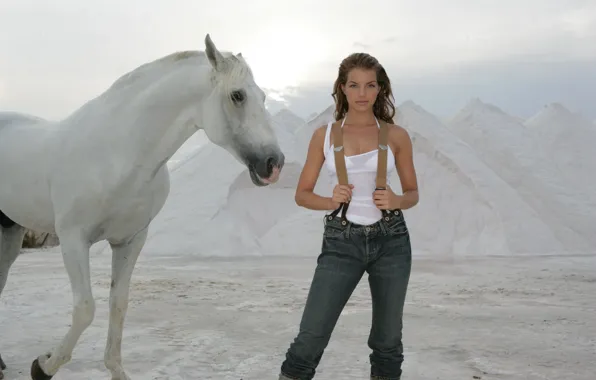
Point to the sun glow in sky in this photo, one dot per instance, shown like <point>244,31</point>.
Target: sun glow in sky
<point>283,55</point>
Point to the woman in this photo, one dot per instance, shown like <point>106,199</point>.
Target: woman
<point>375,240</point>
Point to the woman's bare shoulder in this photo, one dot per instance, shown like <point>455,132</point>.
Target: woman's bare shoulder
<point>398,136</point>
<point>317,139</point>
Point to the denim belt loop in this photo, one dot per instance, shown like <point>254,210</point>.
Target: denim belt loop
<point>383,226</point>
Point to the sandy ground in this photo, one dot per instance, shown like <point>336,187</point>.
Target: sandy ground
<point>466,318</point>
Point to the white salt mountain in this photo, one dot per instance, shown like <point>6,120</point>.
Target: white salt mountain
<point>239,226</point>
<point>469,204</point>
<point>569,138</point>
<point>465,207</point>
<point>556,126</point>
<point>190,147</point>
<point>288,120</point>
<point>286,123</point>
<point>516,155</point>
<point>215,210</point>
<point>304,133</point>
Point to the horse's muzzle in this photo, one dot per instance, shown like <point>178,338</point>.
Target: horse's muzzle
<point>266,170</point>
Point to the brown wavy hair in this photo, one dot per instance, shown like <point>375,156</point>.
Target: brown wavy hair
<point>383,108</point>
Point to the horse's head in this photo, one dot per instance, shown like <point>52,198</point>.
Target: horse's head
<point>237,119</point>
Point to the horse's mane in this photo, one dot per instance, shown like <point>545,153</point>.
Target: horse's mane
<point>238,71</point>
<point>133,75</point>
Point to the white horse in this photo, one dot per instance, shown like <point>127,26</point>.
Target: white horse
<point>101,174</point>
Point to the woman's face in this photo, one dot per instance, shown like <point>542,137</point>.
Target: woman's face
<point>361,89</point>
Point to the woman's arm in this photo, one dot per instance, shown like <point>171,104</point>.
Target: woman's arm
<point>305,196</point>
<point>404,163</point>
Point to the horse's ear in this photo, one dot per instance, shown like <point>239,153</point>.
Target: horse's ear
<point>240,57</point>
<point>215,57</point>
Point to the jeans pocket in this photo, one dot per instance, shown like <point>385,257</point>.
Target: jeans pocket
<point>395,223</point>
<point>333,231</point>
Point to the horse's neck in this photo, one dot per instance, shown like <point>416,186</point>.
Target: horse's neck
<point>145,126</point>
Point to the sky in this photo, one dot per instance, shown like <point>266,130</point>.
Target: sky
<point>516,54</point>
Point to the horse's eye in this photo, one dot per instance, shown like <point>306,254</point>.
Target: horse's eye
<point>238,96</point>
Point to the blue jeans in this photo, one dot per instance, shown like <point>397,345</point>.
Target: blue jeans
<point>383,251</point>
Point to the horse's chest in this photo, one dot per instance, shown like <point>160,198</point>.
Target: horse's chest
<point>132,208</point>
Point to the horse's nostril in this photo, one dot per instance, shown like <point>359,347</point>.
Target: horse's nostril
<point>270,164</point>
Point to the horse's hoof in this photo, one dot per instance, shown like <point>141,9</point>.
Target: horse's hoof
<point>1,375</point>
<point>2,366</point>
<point>37,373</point>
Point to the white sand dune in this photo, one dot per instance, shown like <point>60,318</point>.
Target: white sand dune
<point>469,205</point>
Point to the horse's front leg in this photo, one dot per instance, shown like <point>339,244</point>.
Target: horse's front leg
<point>75,253</point>
<point>124,258</point>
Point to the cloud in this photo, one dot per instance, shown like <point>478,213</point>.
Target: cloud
<point>59,54</point>
<point>520,88</point>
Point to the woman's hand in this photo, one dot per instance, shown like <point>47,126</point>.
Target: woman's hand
<point>341,194</point>
<point>387,199</point>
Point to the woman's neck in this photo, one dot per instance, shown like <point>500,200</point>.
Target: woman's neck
<point>360,118</point>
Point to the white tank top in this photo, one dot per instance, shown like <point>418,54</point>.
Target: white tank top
<point>362,173</point>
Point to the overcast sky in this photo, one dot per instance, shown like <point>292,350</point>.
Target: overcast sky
<point>516,54</point>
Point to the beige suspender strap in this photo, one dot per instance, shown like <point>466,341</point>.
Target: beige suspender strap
<point>338,151</point>
<point>382,157</point>
<point>340,168</point>
<point>340,163</point>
